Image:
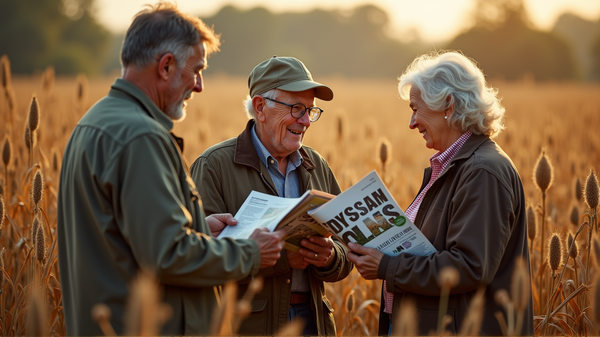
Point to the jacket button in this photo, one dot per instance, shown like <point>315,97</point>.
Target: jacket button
<point>287,281</point>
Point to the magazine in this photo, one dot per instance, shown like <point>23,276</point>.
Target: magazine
<point>361,214</point>
<point>367,214</point>
<point>265,210</point>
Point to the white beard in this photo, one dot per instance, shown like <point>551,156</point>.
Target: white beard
<point>177,112</point>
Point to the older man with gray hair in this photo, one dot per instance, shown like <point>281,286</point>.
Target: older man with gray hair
<point>126,201</point>
<point>269,157</point>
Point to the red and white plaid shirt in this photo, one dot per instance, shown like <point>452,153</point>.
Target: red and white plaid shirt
<point>438,162</point>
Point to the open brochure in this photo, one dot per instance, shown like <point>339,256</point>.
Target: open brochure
<point>264,210</point>
<point>366,213</point>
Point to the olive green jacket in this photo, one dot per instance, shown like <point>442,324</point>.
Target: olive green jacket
<point>474,215</point>
<point>227,173</point>
<point>126,202</point>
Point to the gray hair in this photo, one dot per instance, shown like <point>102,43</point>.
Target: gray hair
<point>161,29</point>
<point>272,94</point>
<point>443,75</point>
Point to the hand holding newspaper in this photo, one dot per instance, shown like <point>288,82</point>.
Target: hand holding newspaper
<point>366,214</point>
<point>264,210</point>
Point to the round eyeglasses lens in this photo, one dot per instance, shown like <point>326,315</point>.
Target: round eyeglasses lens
<point>298,110</point>
<point>314,114</point>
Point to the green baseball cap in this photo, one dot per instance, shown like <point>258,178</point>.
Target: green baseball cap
<point>285,73</point>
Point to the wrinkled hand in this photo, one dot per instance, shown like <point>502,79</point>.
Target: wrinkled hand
<point>270,245</point>
<point>366,260</point>
<point>217,222</point>
<point>317,250</point>
<point>296,260</point>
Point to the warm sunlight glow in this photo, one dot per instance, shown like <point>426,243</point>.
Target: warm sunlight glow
<point>431,20</point>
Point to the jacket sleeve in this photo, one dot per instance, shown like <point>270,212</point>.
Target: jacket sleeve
<point>207,176</point>
<point>208,180</point>
<point>475,244</point>
<point>154,219</point>
<point>339,269</point>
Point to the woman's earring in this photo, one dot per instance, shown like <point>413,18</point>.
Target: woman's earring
<point>445,117</point>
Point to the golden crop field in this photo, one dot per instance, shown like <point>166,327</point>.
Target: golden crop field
<point>561,118</point>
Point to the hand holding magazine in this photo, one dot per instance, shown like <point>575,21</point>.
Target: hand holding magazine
<point>366,214</point>
<point>264,210</point>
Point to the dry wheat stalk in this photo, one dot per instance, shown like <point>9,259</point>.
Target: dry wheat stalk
<point>471,325</point>
<point>37,313</point>
<point>574,217</point>
<point>40,246</point>
<point>520,289</point>
<point>577,189</point>
<point>555,253</point>
<point>81,89</point>
<point>101,314</point>
<point>2,211</point>
<point>33,119</point>
<point>5,70</point>
<point>543,174</point>
<point>37,189</point>
<point>6,152</point>
<point>145,313</point>
<point>591,190</point>
<point>449,277</point>
<point>292,328</point>
<point>48,79</point>
<point>531,224</point>
<point>405,321</point>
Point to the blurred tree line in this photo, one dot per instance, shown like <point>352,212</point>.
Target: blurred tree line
<point>505,46</point>
<point>61,33</point>
<point>329,42</point>
<point>584,38</point>
<point>355,43</point>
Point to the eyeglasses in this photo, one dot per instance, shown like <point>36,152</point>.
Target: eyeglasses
<point>298,110</point>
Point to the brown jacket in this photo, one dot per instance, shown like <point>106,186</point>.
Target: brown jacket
<point>225,174</point>
<point>474,215</point>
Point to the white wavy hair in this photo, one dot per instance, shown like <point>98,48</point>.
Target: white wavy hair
<point>440,75</point>
<point>272,94</point>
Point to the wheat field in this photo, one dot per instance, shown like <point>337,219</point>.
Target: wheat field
<point>561,119</point>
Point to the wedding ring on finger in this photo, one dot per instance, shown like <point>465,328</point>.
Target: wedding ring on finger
<point>315,256</point>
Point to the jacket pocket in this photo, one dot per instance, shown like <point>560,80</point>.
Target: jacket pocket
<point>257,322</point>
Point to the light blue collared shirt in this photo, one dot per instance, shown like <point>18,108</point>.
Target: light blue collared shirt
<point>287,186</point>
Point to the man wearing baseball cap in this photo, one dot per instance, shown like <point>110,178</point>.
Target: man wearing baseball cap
<point>268,156</point>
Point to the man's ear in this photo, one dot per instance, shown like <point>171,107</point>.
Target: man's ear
<point>166,66</point>
<point>258,104</point>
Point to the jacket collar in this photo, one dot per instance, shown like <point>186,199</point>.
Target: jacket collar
<point>245,153</point>
<point>466,151</point>
<point>127,90</point>
<point>472,144</point>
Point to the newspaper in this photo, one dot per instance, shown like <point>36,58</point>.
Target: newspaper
<point>273,212</point>
<point>367,214</point>
<point>361,214</point>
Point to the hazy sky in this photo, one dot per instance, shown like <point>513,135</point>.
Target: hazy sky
<point>435,20</point>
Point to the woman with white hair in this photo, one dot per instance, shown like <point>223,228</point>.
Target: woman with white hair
<point>471,205</point>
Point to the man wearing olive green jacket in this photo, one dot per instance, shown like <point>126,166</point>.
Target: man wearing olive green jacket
<point>126,202</point>
<point>268,156</point>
